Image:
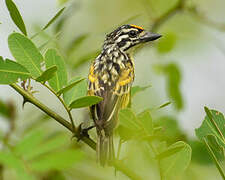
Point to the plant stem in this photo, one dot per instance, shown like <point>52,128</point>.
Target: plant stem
<point>65,106</point>
<point>30,98</point>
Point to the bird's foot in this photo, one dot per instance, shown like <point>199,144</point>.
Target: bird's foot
<point>83,132</point>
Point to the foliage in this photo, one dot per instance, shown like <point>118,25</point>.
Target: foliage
<point>38,153</point>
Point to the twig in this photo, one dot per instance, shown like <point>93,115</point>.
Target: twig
<point>30,98</point>
<point>170,13</point>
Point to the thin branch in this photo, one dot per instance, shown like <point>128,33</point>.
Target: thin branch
<point>30,98</point>
<point>170,13</point>
<point>65,106</point>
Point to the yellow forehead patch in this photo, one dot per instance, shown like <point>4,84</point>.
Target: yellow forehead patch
<point>138,27</point>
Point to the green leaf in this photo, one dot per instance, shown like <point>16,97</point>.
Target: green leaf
<point>59,80</point>
<point>29,142</point>
<point>173,75</point>
<point>4,109</point>
<point>137,89</point>
<point>16,16</point>
<point>57,160</point>
<point>164,105</point>
<point>70,86</point>
<point>80,90</point>
<point>11,71</point>
<point>47,146</point>
<point>213,124</point>
<point>86,58</point>
<point>128,119</point>
<point>76,43</point>
<point>47,74</point>
<point>25,53</point>
<point>174,160</point>
<point>166,43</point>
<point>85,101</point>
<point>146,120</point>
<point>53,19</point>
<point>210,139</point>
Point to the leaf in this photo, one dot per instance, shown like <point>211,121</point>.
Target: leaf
<point>80,90</point>
<point>46,146</point>
<point>85,101</point>
<point>25,53</point>
<point>213,124</point>
<point>59,80</point>
<point>164,105</point>
<point>29,142</point>
<point>11,71</point>
<point>174,160</point>
<point>16,16</point>
<point>137,89</point>
<point>70,86</point>
<point>76,43</point>
<point>53,19</point>
<point>213,155</point>
<point>85,58</point>
<point>4,109</point>
<point>166,43</point>
<point>146,120</point>
<point>128,119</point>
<point>173,75</point>
<point>47,74</point>
<point>57,160</point>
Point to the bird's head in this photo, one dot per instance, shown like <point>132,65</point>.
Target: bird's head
<point>128,36</point>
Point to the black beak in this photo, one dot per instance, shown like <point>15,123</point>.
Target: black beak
<point>150,37</point>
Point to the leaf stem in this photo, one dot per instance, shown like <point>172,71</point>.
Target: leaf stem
<point>65,106</point>
<point>214,159</point>
<point>119,165</point>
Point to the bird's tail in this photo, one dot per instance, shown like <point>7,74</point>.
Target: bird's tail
<point>105,149</point>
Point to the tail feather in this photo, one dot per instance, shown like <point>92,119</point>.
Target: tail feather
<point>105,149</point>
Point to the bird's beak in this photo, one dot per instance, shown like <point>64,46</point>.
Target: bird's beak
<point>148,36</point>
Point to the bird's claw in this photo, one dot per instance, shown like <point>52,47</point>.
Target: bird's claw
<point>82,132</point>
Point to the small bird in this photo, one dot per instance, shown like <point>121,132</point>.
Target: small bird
<point>111,76</point>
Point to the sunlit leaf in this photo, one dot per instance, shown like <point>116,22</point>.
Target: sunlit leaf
<point>54,18</point>
<point>213,124</point>
<point>25,53</point>
<point>16,16</point>
<point>11,71</point>
<point>146,120</point>
<point>174,160</point>
<point>166,43</point>
<point>47,74</point>
<point>128,119</point>
<point>70,86</point>
<point>80,90</point>
<point>85,102</point>
<point>59,80</point>
<point>57,160</point>
<point>137,89</point>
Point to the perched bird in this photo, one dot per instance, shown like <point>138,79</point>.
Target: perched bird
<point>111,76</point>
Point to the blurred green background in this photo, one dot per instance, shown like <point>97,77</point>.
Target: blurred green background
<point>186,67</point>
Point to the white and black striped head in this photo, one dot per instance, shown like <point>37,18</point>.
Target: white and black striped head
<point>128,36</point>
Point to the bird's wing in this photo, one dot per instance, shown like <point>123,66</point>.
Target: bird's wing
<point>114,98</point>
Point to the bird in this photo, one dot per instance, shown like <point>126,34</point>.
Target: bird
<point>111,76</point>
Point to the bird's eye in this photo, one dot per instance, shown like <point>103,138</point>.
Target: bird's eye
<point>133,33</point>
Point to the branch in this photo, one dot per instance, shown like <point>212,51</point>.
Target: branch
<point>30,98</point>
<point>170,13</point>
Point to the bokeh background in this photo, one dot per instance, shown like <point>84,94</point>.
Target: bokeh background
<point>186,66</point>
